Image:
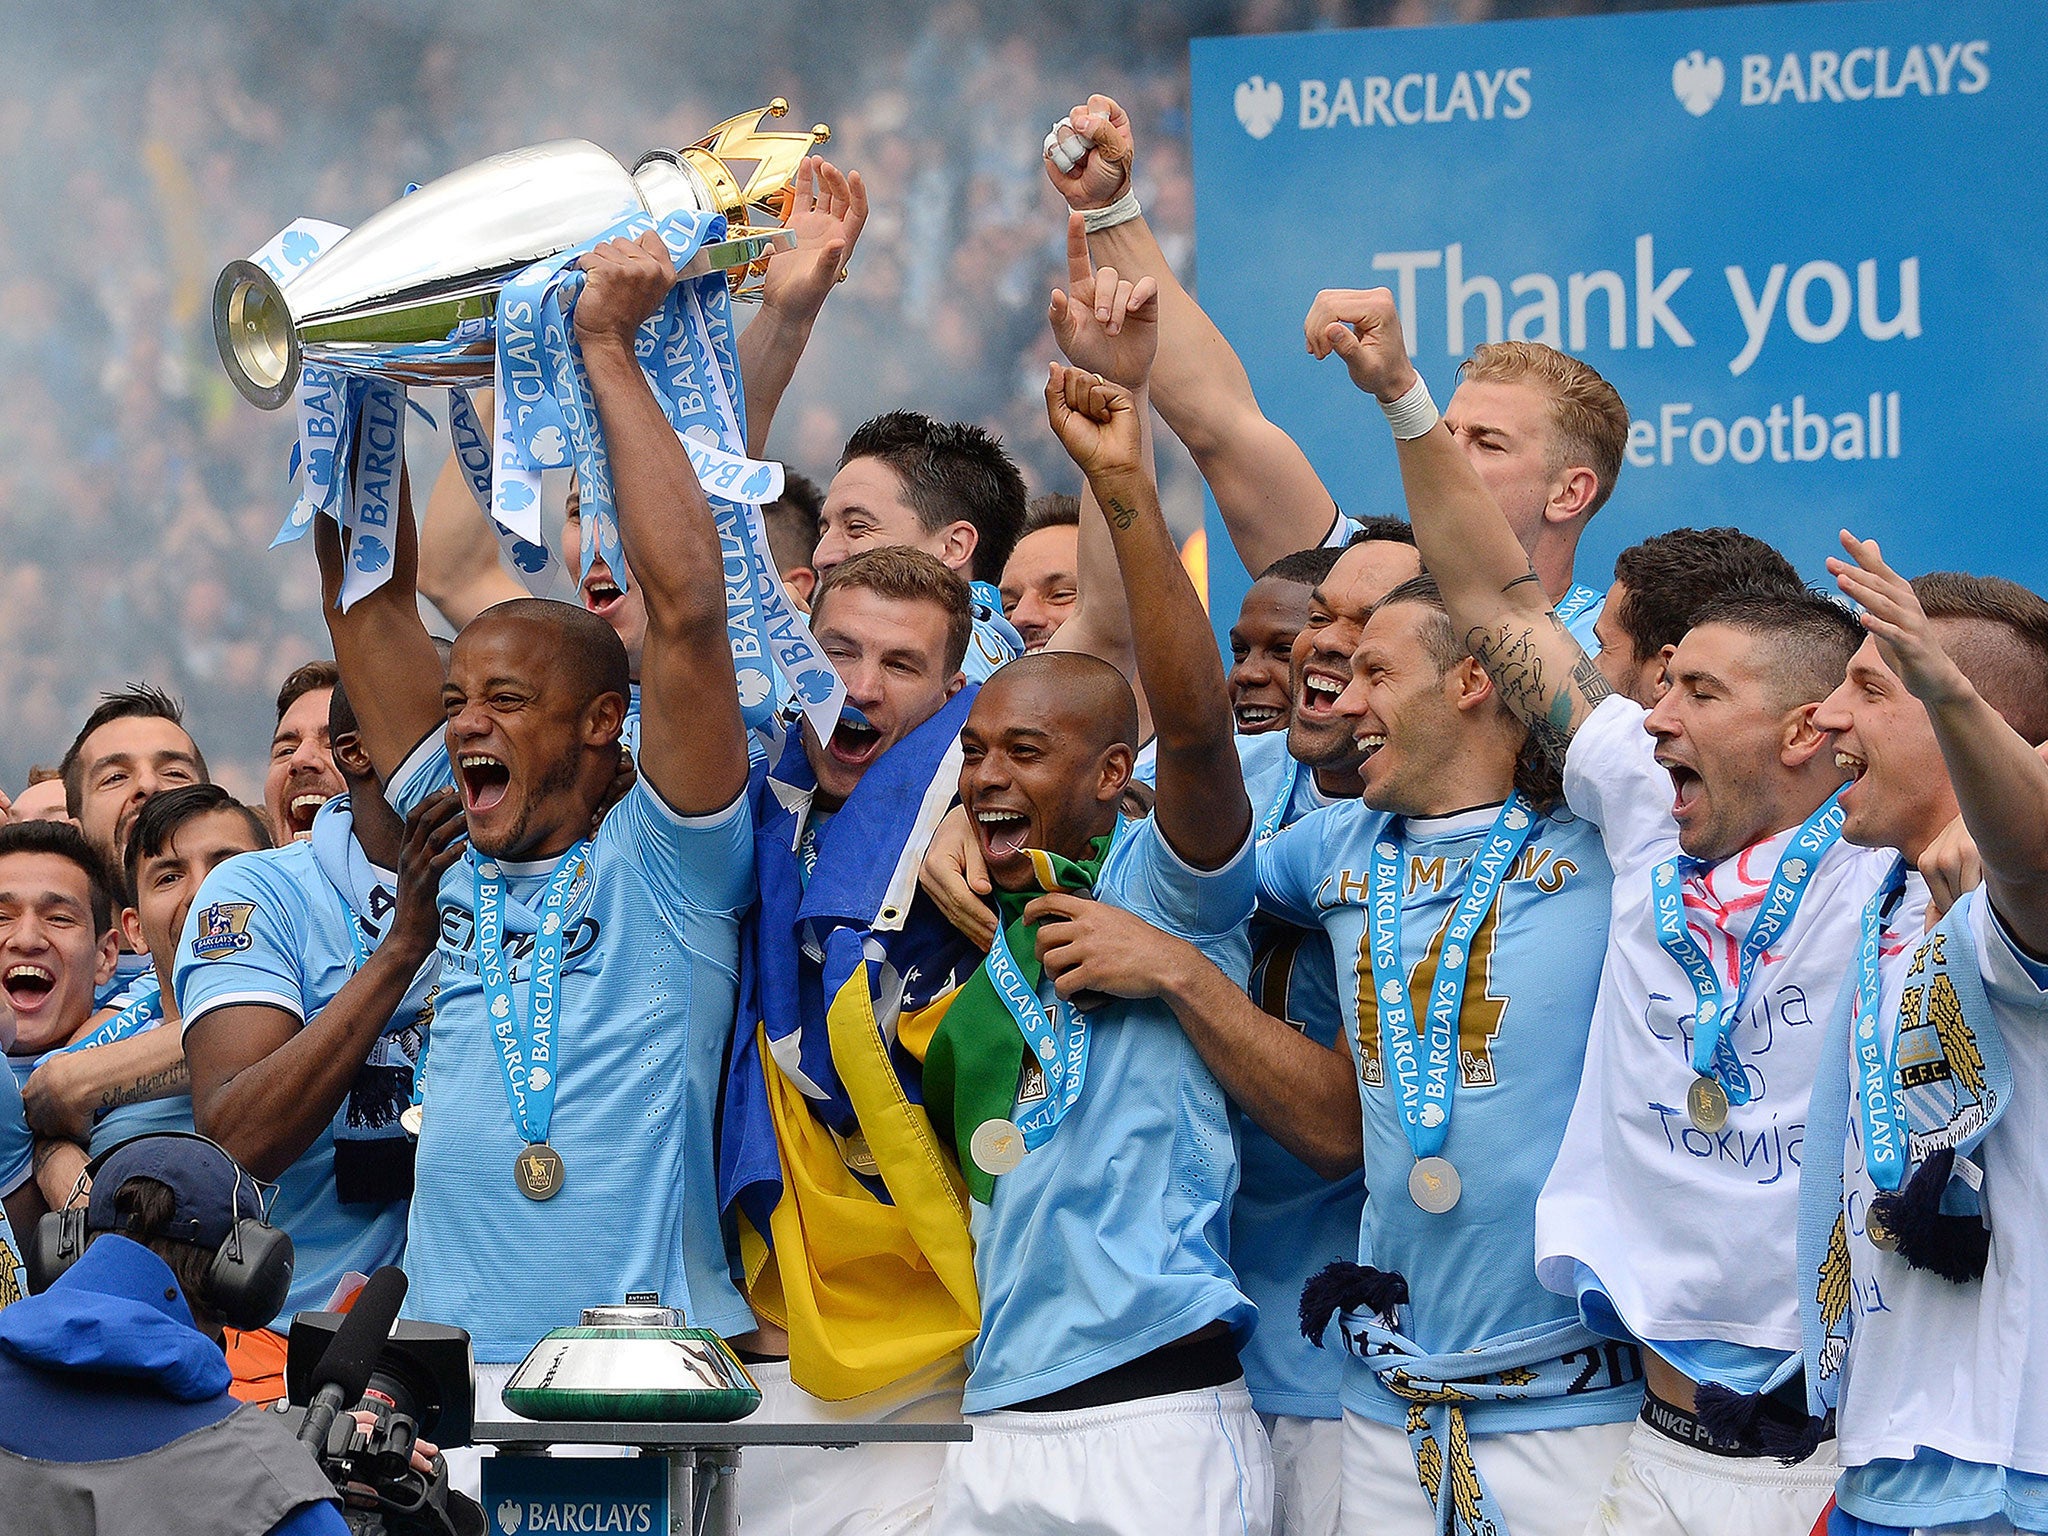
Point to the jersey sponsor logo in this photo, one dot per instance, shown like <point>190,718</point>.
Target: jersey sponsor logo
<point>458,943</point>
<point>223,930</point>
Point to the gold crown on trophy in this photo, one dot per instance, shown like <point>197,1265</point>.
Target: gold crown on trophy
<point>750,174</point>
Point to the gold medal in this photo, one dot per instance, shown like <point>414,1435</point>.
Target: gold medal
<point>538,1171</point>
<point>997,1146</point>
<point>412,1117</point>
<point>1434,1185</point>
<point>1706,1104</point>
<point>1880,1235</point>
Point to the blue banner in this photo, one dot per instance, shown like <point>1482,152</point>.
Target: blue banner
<point>1803,241</point>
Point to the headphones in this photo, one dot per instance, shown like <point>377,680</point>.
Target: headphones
<point>251,1272</point>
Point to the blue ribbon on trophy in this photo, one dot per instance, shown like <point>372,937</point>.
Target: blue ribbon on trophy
<point>340,322</point>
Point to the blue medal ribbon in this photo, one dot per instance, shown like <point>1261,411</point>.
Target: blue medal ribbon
<point>1576,602</point>
<point>527,1057</point>
<point>145,1013</point>
<point>1713,1048</point>
<point>1427,1088</point>
<point>1881,1104</point>
<point>1058,1041</point>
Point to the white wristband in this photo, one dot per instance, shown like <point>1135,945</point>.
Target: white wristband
<point>1414,414</point>
<point>1122,211</point>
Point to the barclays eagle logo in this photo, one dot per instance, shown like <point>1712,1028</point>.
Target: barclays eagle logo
<point>1697,81</point>
<point>1259,104</point>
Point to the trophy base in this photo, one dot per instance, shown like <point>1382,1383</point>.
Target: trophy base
<point>252,326</point>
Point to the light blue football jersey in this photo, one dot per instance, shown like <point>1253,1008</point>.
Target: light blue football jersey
<point>1111,1239</point>
<point>648,990</point>
<point>17,1148</point>
<point>993,641</point>
<point>127,1121</point>
<point>128,970</point>
<point>1288,1221</point>
<point>298,956</point>
<point>1534,971</point>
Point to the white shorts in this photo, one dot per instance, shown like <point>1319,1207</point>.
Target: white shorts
<point>1186,1463</point>
<point>865,1490</point>
<point>1662,1488</point>
<point>1308,1471</point>
<point>1544,1480</point>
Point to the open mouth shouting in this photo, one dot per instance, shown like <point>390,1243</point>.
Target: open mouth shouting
<point>1004,833</point>
<point>485,782</point>
<point>27,987</point>
<point>601,594</point>
<point>1688,789</point>
<point>854,742</point>
<point>299,812</point>
<point>1320,690</point>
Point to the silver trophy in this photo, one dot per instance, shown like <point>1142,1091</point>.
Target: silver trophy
<point>409,294</point>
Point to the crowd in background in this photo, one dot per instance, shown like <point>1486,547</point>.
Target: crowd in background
<point>137,490</point>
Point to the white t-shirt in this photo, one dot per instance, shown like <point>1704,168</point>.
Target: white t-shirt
<point>1961,1369</point>
<point>1690,1236</point>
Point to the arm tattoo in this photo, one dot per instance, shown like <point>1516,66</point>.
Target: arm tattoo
<point>1527,678</point>
<point>152,1086</point>
<point>1527,576</point>
<point>1120,512</point>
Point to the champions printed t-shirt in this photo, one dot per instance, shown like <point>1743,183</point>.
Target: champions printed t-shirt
<point>1945,1386</point>
<point>1686,1239</point>
<point>1529,993</point>
<point>297,956</point>
<point>648,987</point>
<point>1112,1238</point>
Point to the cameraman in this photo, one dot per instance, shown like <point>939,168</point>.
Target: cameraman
<point>114,1409</point>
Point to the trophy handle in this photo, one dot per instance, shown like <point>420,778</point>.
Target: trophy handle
<point>252,326</point>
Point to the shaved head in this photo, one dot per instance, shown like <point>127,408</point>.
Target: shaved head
<point>1083,690</point>
<point>586,652</point>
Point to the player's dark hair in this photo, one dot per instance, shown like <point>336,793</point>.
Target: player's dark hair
<point>1807,636</point>
<point>2000,643</point>
<point>792,521</point>
<point>163,813</point>
<point>138,701</point>
<point>1666,581</point>
<point>63,840</point>
<point>951,472</point>
<point>1381,530</point>
<point>1051,509</point>
<point>1308,567</point>
<point>310,678</point>
<point>906,575</point>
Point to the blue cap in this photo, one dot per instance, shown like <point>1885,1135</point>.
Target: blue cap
<point>199,1174</point>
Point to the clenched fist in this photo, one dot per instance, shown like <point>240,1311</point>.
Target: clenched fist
<point>1362,326</point>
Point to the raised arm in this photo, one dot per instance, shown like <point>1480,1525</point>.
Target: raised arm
<point>1271,498</point>
<point>1201,810</point>
<point>460,572</point>
<point>830,209</point>
<point>2000,783</point>
<point>1492,591</point>
<point>1108,325</point>
<point>693,740</point>
<point>387,660</point>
